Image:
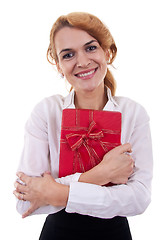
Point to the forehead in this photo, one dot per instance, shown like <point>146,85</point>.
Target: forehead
<point>68,37</point>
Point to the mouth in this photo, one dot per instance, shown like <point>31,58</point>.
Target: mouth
<point>86,74</point>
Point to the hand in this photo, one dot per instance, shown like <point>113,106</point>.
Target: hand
<point>34,190</point>
<point>40,191</point>
<point>116,167</point>
<point>118,164</point>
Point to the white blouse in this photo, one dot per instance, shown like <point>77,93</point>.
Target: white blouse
<point>41,153</point>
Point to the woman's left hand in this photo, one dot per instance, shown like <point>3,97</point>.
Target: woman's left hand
<point>40,191</point>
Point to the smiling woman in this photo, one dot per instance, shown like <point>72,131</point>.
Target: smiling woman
<point>83,62</point>
<point>95,202</point>
<point>99,34</point>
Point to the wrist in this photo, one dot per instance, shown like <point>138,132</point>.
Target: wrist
<point>64,195</point>
<point>58,195</point>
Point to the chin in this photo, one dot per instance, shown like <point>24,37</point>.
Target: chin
<point>91,88</point>
<point>88,89</point>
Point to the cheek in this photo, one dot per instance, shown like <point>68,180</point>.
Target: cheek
<point>101,59</point>
<point>67,68</point>
<point>103,65</point>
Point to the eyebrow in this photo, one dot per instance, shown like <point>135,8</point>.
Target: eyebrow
<point>90,42</point>
<point>69,49</point>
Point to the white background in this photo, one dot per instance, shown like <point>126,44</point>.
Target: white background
<point>26,77</point>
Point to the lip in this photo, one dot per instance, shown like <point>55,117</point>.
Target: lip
<point>83,74</point>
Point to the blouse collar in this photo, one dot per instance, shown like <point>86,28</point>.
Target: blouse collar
<point>69,101</point>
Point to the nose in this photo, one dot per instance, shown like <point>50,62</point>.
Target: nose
<point>83,60</point>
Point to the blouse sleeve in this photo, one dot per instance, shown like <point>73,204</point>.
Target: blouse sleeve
<point>125,199</point>
<point>35,157</point>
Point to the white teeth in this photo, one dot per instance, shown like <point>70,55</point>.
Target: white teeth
<point>86,74</point>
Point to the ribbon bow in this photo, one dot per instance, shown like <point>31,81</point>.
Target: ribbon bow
<point>76,140</point>
<point>86,152</point>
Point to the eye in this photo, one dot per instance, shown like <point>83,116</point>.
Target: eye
<point>68,55</point>
<point>91,48</point>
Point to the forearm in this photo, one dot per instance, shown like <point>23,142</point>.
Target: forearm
<point>107,202</point>
<point>116,167</point>
<point>96,175</point>
<point>59,192</point>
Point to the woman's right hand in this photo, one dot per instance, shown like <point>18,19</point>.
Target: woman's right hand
<point>116,167</point>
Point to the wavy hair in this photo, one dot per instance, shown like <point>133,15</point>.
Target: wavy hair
<point>94,27</point>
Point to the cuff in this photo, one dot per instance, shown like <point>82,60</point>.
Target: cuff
<point>76,177</point>
<point>69,179</point>
<point>84,198</point>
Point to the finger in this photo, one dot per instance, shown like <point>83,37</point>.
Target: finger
<point>125,148</point>
<point>47,172</point>
<point>19,196</point>
<point>30,210</point>
<point>48,176</point>
<point>16,194</point>
<point>19,187</point>
<point>19,181</point>
<point>133,163</point>
<point>131,172</point>
<point>23,177</point>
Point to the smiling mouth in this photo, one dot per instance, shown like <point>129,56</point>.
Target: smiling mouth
<point>86,74</point>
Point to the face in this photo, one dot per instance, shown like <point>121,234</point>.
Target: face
<point>81,59</point>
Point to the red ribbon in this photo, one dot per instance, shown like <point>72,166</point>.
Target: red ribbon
<point>77,140</point>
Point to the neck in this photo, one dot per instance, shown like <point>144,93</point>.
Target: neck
<point>95,100</point>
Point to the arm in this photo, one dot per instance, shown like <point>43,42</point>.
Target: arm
<point>82,196</point>
<point>116,167</point>
<point>35,158</point>
<point>127,199</point>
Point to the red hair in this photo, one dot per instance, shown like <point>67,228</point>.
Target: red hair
<point>93,26</point>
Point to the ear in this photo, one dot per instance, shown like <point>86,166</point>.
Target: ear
<point>108,55</point>
<point>59,68</point>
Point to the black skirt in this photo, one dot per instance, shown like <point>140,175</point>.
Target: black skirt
<point>63,225</point>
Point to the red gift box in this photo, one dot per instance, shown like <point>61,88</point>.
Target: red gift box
<point>86,136</point>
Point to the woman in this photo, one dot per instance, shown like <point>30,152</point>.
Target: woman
<point>79,205</point>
